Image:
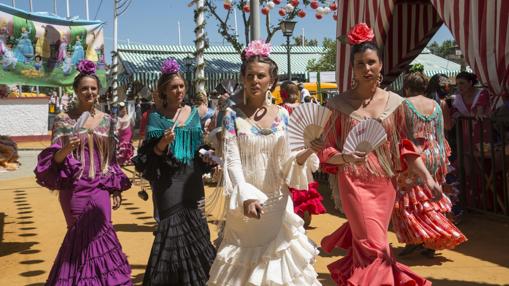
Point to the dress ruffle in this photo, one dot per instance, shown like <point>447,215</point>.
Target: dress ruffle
<point>372,267</point>
<point>300,176</point>
<point>115,180</point>
<point>182,253</point>
<point>90,254</point>
<point>287,260</point>
<point>56,176</point>
<point>125,153</point>
<point>307,201</point>
<point>416,219</point>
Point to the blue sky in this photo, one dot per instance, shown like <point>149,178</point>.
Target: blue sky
<point>155,21</point>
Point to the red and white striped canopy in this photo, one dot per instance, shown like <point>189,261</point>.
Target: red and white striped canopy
<point>404,27</point>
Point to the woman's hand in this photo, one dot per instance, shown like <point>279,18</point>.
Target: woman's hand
<point>253,209</point>
<point>117,200</point>
<point>435,188</point>
<point>317,145</point>
<point>168,137</point>
<point>60,155</point>
<point>356,157</point>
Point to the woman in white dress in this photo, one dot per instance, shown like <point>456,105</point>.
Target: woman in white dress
<point>263,241</point>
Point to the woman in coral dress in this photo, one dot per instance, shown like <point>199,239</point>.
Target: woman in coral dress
<point>81,165</point>
<point>263,241</point>
<point>417,219</point>
<point>366,180</point>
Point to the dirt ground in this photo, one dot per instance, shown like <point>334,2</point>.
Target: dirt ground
<point>32,228</point>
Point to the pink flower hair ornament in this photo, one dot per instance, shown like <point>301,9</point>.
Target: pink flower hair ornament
<point>170,66</point>
<point>257,48</point>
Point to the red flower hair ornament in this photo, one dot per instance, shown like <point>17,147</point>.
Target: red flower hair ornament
<point>358,34</point>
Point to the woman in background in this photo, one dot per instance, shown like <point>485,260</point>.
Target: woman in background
<point>125,126</point>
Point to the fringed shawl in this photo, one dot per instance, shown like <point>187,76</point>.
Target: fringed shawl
<point>385,160</point>
<point>97,138</point>
<point>188,138</point>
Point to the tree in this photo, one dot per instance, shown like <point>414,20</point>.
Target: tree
<point>444,50</point>
<point>327,61</point>
<point>287,10</point>
<point>307,42</point>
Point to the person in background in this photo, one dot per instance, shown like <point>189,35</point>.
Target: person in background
<point>125,126</point>
<point>81,165</point>
<point>418,220</point>
<point>305,203</point>
<point>471,103</point>
<point>303,92</point>
<point>206,113</point>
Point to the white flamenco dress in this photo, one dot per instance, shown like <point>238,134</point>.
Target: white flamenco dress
<point>273,250</point>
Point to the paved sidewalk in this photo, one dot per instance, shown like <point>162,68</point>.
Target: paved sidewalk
<point>32,228</point>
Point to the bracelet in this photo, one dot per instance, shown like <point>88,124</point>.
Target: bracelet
<point>343,157</point>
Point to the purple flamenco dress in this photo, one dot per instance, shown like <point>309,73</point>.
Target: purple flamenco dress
<point>90,253</point>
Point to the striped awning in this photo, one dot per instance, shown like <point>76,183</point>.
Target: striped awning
<point>142,62</point>
<point>404,27</point>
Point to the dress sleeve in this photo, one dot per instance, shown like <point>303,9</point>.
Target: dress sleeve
<point>332,128</point>
<point>48,173</point>
<point>234,182</point>
<point>406,148</point>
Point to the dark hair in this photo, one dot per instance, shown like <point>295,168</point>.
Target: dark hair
<point>292,91</point>
<point>273,69</point>
<point>307,99</point>
<point>435,85</point>
<point>471,77</point>
<point>80,76</point>
<point>416,82</point>
<point>38,57</point>
<point>164,79</point>
<point>362,47</point>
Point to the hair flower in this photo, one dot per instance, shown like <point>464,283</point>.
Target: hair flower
<point>258,48</point>
<point>170,66</point>
<point>86,67</point>
<point>359,34</point>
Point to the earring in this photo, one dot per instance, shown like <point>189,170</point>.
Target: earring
<point>244,97</point>
<point>165,102</point>
<point>353,84</point>
<point>268,97</point>
<point>380,79</point>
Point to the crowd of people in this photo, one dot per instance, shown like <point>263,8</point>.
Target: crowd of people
<point>270,192</point>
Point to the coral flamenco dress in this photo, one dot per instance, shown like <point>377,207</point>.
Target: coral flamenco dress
<point>367,195</point>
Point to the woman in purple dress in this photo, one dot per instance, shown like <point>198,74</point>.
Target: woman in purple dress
<point>81,165</point>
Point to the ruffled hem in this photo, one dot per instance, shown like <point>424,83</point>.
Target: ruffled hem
<point>90,254</point>
<point>419,199</point>
<point>287,260</point>
<point>374,268</point>
<point>56,176</point>
<point>430,228</point>
<point>182,253</point>
<point>307,201</point>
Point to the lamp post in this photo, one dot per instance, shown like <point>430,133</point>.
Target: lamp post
<point>188,62</point>
<point>287,28</point>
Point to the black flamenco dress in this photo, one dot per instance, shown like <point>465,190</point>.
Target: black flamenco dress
<point>182,252</point>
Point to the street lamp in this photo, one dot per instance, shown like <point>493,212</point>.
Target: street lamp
<point>287,29</point>
<point>188,62</point>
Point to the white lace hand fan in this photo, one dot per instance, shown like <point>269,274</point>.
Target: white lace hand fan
<point>365,137</point>
<point>306,124</point>
<point>81,122</point>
